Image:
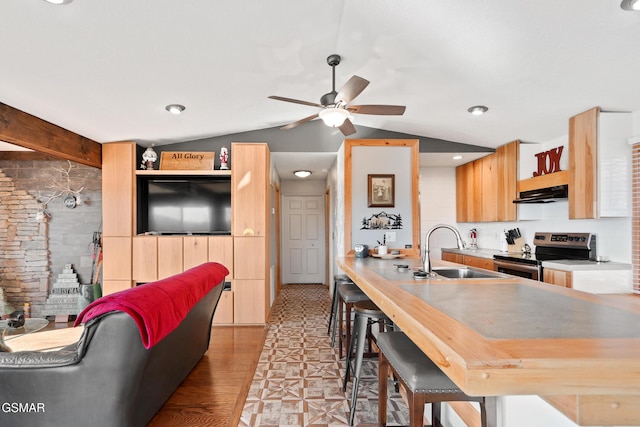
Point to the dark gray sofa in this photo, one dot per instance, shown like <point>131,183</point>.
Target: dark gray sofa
<point>107,378</point>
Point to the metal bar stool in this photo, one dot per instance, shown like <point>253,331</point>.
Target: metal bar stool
<point>366,314</point>
<point>348,295</point>
<point>338,278</point>
<point>423,381</point>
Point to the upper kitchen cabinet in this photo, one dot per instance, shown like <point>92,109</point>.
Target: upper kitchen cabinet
<point>486,187</point>
<point>465,205</point>
<point>507,168</point>
<point>599,164</point>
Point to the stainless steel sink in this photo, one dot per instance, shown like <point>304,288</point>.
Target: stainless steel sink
<point>466,273</point>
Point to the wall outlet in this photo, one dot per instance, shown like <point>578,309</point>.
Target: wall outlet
<point>390,236</point>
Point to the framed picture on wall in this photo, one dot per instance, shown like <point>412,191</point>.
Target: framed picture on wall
<point>381,191</point>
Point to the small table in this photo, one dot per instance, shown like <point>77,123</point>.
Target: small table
<point>30,325</point>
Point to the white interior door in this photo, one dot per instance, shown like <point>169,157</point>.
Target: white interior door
<point>303,246</point>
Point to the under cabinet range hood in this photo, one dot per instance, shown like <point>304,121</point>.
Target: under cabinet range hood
<point>544,195</point>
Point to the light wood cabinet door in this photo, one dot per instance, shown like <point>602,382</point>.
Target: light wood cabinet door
<point>249,301</point>
<point>557,277</point>
<point>221,250</point>
<point>488,189</point>
<point>451,257</point>
<point>465,193</point>
<point>224,310</point>
<point>250,258</point>
<point>583,156</point>
<point>507,171</point>
<point>145,259</point>
<point>476,194</point>
<point>250,187</point>
<point>113,286</point>
<point>169,256</point>
<point>118,188</point>
<point>478,262</point>
<point>116,258</point>
<point>195,251</point>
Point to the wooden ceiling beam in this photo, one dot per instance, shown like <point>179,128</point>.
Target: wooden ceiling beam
<point>25,155</point>
<point>25,130</point>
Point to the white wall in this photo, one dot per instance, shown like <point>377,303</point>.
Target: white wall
<point>367,160</point>
<point>438,206</point>
<point>302,187</point>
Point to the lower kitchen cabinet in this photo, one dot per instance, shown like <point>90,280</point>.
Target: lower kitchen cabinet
<point>470,260</point>
<point>557,277</point>
<point>451,257</point>
<point>478,262</point>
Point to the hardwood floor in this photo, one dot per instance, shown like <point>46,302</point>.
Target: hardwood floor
<point>215,391</point>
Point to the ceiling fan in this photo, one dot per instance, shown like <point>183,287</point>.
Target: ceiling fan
<point>335,109</point>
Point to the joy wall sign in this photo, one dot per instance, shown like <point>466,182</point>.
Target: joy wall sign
<point>549,161</point>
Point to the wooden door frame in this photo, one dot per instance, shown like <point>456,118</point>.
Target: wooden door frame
<point>278,239</point>
<point>414,145</point>
<point>327,226</point>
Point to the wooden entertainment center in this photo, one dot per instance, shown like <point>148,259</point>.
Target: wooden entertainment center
<point>131,257</point>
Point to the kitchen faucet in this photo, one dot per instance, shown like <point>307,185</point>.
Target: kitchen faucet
<point>427,261</point>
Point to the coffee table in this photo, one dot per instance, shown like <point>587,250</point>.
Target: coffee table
<point>30,325</point>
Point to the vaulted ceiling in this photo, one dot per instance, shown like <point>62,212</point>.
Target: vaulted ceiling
<point>106,69</point>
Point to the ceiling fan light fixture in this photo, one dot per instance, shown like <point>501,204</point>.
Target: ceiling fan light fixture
<point>478,110</point>
<point>175,108</point>
<point>302,173</point>
<point>632,5</point>
<point>334,117</point>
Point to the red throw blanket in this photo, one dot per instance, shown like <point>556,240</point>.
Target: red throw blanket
<point>159,307</point>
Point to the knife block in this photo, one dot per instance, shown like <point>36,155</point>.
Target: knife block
<point>517,245</point>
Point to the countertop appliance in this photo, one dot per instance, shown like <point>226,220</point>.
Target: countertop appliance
<point>548,247</point>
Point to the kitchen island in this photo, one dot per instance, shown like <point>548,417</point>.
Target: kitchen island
<point>512,336</point>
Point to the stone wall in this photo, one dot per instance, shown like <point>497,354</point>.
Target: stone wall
<point>68,232</point>
<point>24,255</point>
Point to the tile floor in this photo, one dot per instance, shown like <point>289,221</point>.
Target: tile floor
<point>298,380</point>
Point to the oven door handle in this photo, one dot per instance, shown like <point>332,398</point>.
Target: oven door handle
<point>514,266</point>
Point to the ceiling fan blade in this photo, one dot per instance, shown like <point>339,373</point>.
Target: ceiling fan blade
<point>296,101</point>
<point>299,122</point>
<point>352,88</point>
<point>382,110</point>
<point>347,128</point>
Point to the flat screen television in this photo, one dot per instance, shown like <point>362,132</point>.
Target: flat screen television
<point>184,205</point>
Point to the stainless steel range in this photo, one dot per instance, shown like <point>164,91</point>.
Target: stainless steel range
<point>548,247</point>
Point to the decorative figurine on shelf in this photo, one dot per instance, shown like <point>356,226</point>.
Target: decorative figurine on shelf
<point>224,158</point>
<point>149,157</point>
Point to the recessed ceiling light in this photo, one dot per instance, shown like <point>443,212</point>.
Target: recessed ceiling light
<point>477,110</point>
<point>633,5</point>
<point>59,1</point>
<point>302,173</point>
<point>458,157</point>
<point>175,108</point>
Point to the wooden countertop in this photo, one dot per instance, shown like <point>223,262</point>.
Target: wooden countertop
<point>511,336</point>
